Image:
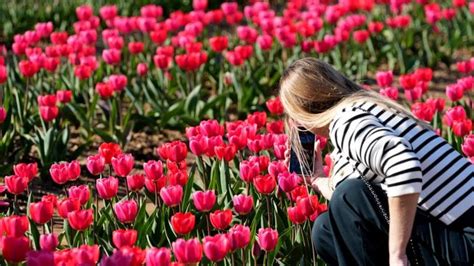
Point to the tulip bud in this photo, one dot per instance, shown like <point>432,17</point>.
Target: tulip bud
<point>239,236</point>
<point>187,251</point>
<point>49,242</point>
<point>242,204</point>
<point>135,182</point>
<point>216,247</point>
<point>80,220</point>
<point>126,211</point>
<point>66,206</point>
<point>172,195</point>
<point>41,212</point>
<point>95,164</point>
<point>267,238</point>
<point>80,193</point>
<point>16,184</point>
<point>221,219</point>
<point>204,200</point>
<point>15,248</point>
<point>124,238</point>
<point>183,223</point>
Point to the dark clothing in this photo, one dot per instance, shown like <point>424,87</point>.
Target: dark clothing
<point>354,232</point>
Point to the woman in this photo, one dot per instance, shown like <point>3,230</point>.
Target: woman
<point>397,191</point>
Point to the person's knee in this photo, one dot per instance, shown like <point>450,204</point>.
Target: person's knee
<point>320,232</point>
<point>348,191</point>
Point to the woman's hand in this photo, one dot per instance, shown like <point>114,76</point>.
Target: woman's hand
<point>398,260</point>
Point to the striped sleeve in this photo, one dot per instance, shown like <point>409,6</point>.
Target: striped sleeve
<point>360,136</point>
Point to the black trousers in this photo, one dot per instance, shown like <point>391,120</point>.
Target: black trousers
<point>354,232</point>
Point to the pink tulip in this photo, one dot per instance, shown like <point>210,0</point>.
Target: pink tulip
<point>249,170</point>
<point>126,211</point>
<point>267,238</point>
<point>118,82</point>
<point>28,171</point>
<point>468,145</point>
<point>49,242</point>
<point>187,251</point>
<point>204,200</point>
<point>80,193</point>
<point>16,184</point>
<point>142,69</point>
<point>124,238</point>
<point>39,258</point>
<point>288,182</point>
<point>107,188</point>
<point>216,247</point>
<point>454,92</point>
<point>135,182</point>
<point>277,167</point>
<point>158,257</point>
<point>384,78</point>
<point>95,164</point>
<point>123,164</point>
<point>153,169</point>
<point>112,56</point>
<point>3,114</point>
<point>242,204</point>
<point>172,195</point>
<point>239,237</point>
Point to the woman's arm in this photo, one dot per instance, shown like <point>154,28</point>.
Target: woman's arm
<point>402,211</point>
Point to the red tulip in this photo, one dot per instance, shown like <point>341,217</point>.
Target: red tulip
<point>135,47</point>
<point>118,82</point>
<point>49,242</point>
<point>183,223</point>
<point>82,71</point>
<point>221,219</point>
<point>455,92</point>
<point>276,127</point>
<point>126,211</point>
<point>109,150</point>
<point>142,69</point>
<point>14,226</point>
<point>296,216</point>
<point>28,68</point>
<point>25,170</point>
<point>218,43</point>
<point>112,56</point>
<point>204,200</point>
<point>414,94</point>
<point>390,92</point>
<point>51,198</point>
<point>64,96</point>
<point>105,90</point>
<point>462,127</point>
<point>172,195</point>
<point>3,114</point>
<point>175,151</point>
<point>124,238</point>
<point>361,36</point>
<point>216,247</point>
<point>84,12</point>
<point>191,61</point>
<point>135,182</point>
<point>158,257</point>
<point>265,184</point>
<point>238,236</point>
<point>39,258</point>
<point>456,113</point>
<point>267,238</point>
<point>275,106</point>
<point>153,169</point>
<point>225,152</point>
<point>16,184</point>
<point>467,83</point>
<point>66,206</point>
<point>211,128</point>
<point>123,164</point>
<point>86,255</point>
<point>242,204</point>
<point>288,182</point>
<point>384,78</point>
<point>257,118</point>
<point>375,27</point>
<point>423,111</point>
<point>107,188</point>
<point>249,170</point>
<point>41,212</point>
<point>265,42</point>
<point>80,220</point>
<point>15,248</point>
<point>48,113</point>
<point>59,173</point>
<point>81,193</point>
<point>277,167</point>
<point>187,251</point>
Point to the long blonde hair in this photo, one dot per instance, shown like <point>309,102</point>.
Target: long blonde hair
<point>312,92</point>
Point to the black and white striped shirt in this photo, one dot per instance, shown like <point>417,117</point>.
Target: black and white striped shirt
<point>392,150</point>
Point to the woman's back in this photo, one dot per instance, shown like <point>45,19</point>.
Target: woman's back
<point>420,160</point>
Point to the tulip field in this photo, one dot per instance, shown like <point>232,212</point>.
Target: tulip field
<point>153,134</point>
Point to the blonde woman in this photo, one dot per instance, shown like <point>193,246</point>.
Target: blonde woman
<point>398,193</point>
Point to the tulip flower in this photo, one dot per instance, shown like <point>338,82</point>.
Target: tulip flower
<point>135,182</point>
<point>153,169</point>
<point>204,200</point>
<point>117,258</point>
<point>221,219</point>
<point>295,215</point>
<point>112,56</point>
<point>216,247</point>
<point>39,258</point>
<point>81,193</point>
<point>187,251</point>
<point>105,90</point>
<point>275,106</point>
<point>80,220</point>
<point>3,74</point>
<point>3,114</point>
<point>158,257</point>
<point>48,113</point>
<point>41,212</point>
<point>249,170</point>
<point>183,223</point>
<point>172,195</point>
<point>264,184</point>
<point>25,170</point>
<point>225,152</point>
<point>468,145</point>
<point>16,184</point>
<point>83,72</point>
<point>462,127</point>
<point>86,255</point>
<point>107,188</point>
<point>175,151</point>
<point>95,164</point>
<point>117,82</point>
<point>66,206</point>
<point>423,111</point>
<point>64,96</point>
<point>454,92</point>
<point>50,198</point>
<point>265,42</point>
<point>277,167</point>
<point>124,238</point>
<point>49,242</point>
<point>135,47</point>
<point>123,164</point>
<point>242,204</point>
<point>14,249</point>
<point>142,69</point>
<point>218,43</point>
<point>267,238</point>
<point>198,145</point>
<point>384,78</point>
<point>28,68</point>
<point>108,12</point>
<point>108,151</point>
<point>14,226</point>
<point>126,211</point>
<point>239,237</point>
